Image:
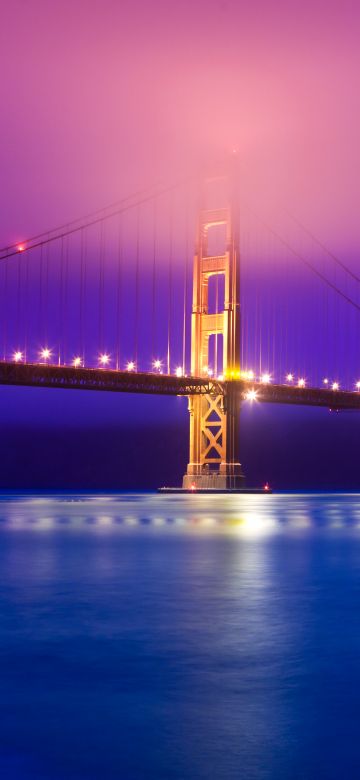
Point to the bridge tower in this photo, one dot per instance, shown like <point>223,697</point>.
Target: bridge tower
<point>214,418</point>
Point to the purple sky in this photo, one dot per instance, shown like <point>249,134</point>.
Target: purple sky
<point>99,97</point>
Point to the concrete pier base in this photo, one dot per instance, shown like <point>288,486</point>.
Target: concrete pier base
<point>228,476</point>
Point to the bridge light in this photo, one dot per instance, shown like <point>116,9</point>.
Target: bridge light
<point>18,356</point>
<point>104,359</point>
<point>157,364</point>
<point>335,386</point>
<point>358,385</point>
<point>221,378</point>
<point>301,382</point>
<point>45,353</point>
<point>325,381</point>
<point>289,377</point>
<point>250,375</point>
<point>179,371</point>
<point>207,370</point>
<point>251,395</point>
<point>130,366</point>
<point>77,362</point>
<point>20,248</point>
<point>265,379</point>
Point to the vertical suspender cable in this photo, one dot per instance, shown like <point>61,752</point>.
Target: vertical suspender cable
<point>66,307</point>
<point>287,280</point>
<point>61,306</point>
<point>18,330</point>
<point>170,287</point>
<point>261,307</point>
<point>6,273</point>
<point>41,293</point>
<point>81,312</point>
<point>268,324</point>
<point>84,289</point>
<point>47,257</point>
<point>101,288</point>
<point>257,322</point>
<point>118,296</point>
<point>216,330</point>
<point>137,279</point>
<point>26,306</point>
<point>186,266</point>
<point>336,329</point>
<point>273,305</point>
<point>153,312</point>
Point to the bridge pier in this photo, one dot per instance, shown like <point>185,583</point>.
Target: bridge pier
<point>214,442</point>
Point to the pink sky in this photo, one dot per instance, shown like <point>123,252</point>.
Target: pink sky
<point>99,97</point>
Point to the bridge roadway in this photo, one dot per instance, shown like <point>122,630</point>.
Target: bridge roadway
<point>78,378</point>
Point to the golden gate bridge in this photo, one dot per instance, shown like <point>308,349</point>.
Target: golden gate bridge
<point>112,302</point>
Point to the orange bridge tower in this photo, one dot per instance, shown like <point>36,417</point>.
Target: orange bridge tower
<point>214,418</point>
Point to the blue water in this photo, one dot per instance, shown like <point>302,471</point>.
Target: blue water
<point>183,637</point>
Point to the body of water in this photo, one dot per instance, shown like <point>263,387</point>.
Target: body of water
<point>150,637</point>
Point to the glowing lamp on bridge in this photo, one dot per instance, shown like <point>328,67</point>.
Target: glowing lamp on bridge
<point>130,366</point>
<point>290,377</point>
<point>179,372</point>
<point>18,356</point>
<point>265,379</point>
<point>325,381</point>
<point>77,362</point>
<point>335,386</point>
<point>157,365</point>
<point>45,353</point>
<point>20,248</point>
<point>251,395</point>
<point>301,382</point>
<point>357,385</point>
<point>104,359</point>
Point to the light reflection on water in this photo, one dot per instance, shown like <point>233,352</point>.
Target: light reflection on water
<point>187,637</point>
<point>248,515</point>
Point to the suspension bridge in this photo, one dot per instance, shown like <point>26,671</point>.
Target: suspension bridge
<point>118,301</point>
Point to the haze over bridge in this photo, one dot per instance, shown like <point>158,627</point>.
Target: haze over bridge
<point>72,272</point>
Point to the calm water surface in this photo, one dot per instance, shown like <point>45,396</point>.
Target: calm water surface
<point>183,637</point>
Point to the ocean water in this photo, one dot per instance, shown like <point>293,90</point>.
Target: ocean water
<point>184,637</point>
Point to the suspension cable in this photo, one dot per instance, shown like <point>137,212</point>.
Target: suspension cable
<point>304,260</point>
<point>28,244</point>
<point>331,254</point>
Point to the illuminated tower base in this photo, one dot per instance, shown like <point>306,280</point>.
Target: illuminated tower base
<point>214,439</point>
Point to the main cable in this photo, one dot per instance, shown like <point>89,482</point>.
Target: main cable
<point>327,251</point>
<point>304,260</point>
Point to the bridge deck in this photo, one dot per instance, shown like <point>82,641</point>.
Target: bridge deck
<point>71,378</point>
<point>301,396</point>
